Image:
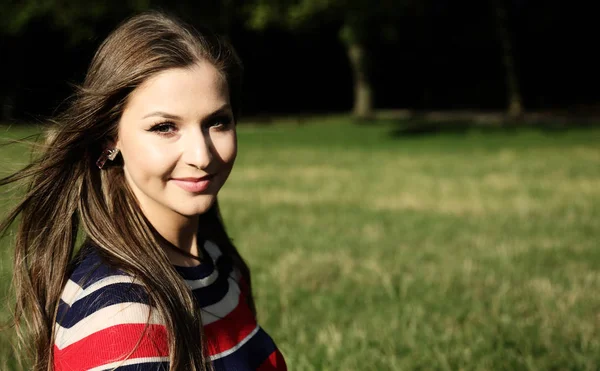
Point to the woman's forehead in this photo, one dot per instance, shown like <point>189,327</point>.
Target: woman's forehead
<point>187,90</point>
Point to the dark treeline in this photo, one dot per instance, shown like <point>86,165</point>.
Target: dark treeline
<point>431,55</point>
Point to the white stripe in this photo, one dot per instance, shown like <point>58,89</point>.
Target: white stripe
<point>203,282</point>
<point>212,249</point>
<point>207,281</point>
<point>71,290</point>
<point>128,362</point>
<point>236,347</point>
<point>118,314</point>
<point>213,313</point>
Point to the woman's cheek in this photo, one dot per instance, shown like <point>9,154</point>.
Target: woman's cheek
<point>226,146</point>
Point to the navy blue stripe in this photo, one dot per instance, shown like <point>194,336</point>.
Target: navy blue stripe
<point>62,310</point>
<point>224,264</point>
<point>205,269</point>
<point>101,298</point>
<point>148,366</point>
<point>216,291</point>
<point>261,346</point>
<point>90,269</point>
<point>212,294</point>
<point>250,356</point>
<point>198,272</point>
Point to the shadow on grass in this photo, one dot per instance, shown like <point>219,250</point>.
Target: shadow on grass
<point>411,124</point>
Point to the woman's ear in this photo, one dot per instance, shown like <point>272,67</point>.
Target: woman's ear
<point>112,143</point>
<point>109,153</point>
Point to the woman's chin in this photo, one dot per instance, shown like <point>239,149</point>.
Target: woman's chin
<point>197,207</point>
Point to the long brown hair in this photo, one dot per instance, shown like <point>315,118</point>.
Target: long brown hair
<point>67,193</point>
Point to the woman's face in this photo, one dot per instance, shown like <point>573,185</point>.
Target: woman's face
<point>178,141</point>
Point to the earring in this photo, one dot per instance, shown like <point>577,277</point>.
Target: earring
<point>107,154</point>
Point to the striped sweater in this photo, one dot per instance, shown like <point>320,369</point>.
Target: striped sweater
<point>104,320</point>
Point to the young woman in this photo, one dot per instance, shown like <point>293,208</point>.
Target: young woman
<point>135,164</point>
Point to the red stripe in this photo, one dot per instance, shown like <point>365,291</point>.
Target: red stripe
<point>275,362</point>
<point>111,345</point>
<point>227,332</point>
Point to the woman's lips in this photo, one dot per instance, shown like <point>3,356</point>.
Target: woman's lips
<point>193,185</point>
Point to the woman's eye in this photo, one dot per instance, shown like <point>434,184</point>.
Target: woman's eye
<point>221,123</point>
<point>164,128</point>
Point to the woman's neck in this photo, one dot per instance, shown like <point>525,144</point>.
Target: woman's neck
<point>181,232</point>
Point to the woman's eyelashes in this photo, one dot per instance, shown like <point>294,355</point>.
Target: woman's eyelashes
<point>166,128</point>
<point>222,122</point>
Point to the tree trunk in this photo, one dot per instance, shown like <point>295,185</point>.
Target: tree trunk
<point>359,62</point>
<point>7,107</point>
<point>515,104</point>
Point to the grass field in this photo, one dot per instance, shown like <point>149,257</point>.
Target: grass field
<point>373,251</point>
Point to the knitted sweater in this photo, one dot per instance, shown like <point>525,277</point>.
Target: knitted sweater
<point>104,320</point>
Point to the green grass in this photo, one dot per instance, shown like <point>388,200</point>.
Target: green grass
<point>471,251</point>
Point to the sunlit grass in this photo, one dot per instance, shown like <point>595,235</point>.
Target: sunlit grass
<point>370,251</point>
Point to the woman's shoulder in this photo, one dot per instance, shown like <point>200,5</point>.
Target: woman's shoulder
<point>91,274</point>
<point>104,308</point>
<point>96,290</point>
<point>93,280</point>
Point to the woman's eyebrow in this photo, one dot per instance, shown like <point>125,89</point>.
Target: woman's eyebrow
<point>162,114</point>
<point>226,108</point>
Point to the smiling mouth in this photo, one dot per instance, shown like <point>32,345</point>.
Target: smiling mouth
<point>194,185</point>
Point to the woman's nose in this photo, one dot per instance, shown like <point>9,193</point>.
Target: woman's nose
<point>198,150</point>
